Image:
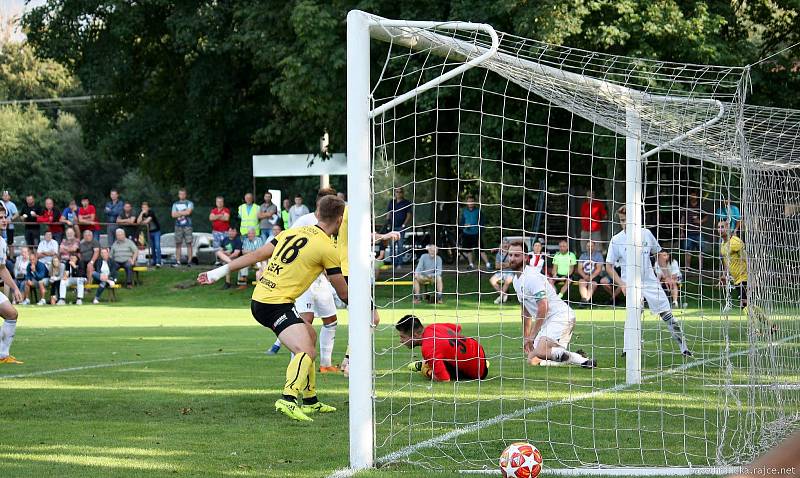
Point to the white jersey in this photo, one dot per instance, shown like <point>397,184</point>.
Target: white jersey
<point>310,219</point>
<point>531,287</point>
<point>3,251</point>
<point>617,253</point>
<point>671,269</point>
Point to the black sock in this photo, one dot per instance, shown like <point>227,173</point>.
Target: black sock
<point>290,398</point>
<point>310,401</point>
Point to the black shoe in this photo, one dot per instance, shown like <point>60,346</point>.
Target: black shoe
<point>622,354</point>
<point>226,286</point>
<point>581,353</point>
<point>688,353</point>
<point>591,363</point>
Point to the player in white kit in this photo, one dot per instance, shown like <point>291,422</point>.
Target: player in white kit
<point>547,321</point>
<point>7,311</point>
<point>317,301</point>
<point>653,294</point>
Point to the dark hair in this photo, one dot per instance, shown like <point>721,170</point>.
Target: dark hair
<point>325,192</point>
<point>182,190</point>
<point>114,190</point>
<point>145,203</point>
<point>522,244</point>
<point>330,208</point>
<point>408,324</point>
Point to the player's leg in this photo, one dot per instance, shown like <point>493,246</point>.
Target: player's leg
<point>552,342</point>
<point>7,330</point>
<point>325,307</point>
<point>658,303</point>
<point>415,287</point>
<point>296,338</point>
<point>439,289</point>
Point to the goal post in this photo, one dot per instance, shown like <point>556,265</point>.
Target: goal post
<point>461,116</point>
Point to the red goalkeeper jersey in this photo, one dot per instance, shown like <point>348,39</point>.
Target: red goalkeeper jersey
<point>451,355</point>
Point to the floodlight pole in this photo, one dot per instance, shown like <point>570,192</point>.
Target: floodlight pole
<point>632,344</point>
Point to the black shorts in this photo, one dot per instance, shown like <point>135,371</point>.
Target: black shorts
<point>277,317</point>
<point>10,237</point>
<point>560,277</point>
<point>471,241</point>
<point>742,286</point>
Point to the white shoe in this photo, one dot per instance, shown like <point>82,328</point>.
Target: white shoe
<point>345,367</point>
<point>79,302</point>
<point>505,298</point>
<point>111,283</point>
<point>499,299</point>
<point>61,302</point>
<point>41,302</point>
<point>95,301</point>
<point>26,302</point>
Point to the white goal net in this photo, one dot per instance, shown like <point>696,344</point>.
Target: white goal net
<point>547,143</point>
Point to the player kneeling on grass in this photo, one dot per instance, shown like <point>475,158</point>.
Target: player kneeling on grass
<point>447,354</point>
<point>7,311</point>
<point>296,258</point>
<point>546,338</point>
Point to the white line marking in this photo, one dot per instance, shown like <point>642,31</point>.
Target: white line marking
<point>111,364</point>
<point>405,452</point>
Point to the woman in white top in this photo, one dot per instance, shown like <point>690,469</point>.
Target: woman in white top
<point>669,274</point>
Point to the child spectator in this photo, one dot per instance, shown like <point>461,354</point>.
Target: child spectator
<point>668,273</point>
<point>74,274</point>
<point>538,258</point>
<point>591,273</point>
<point>69,218</point>
<point>501,280</point>
<point>57,269</point>
<point>87,219</point>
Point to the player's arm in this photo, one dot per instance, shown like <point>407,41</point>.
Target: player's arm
<point>339,284</point>
<point>615,278</point>
<point>261,254</point>
<point>389,236</point>
<point>7,279</point>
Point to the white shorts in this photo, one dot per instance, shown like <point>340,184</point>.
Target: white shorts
<point>559,329</point>
<point>655,297</point>
<point>317,299</point>
<point>3,298</point>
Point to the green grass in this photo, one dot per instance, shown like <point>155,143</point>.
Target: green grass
<point>181,387</point>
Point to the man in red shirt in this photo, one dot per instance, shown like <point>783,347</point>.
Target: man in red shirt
<point>220,218</point>
<point>51,217</point>
<point>447,354</point>
<point>593,213</point>
<point>87,218</point>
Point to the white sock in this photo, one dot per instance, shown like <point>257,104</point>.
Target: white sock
<point>6,337</point>
<point>576,359</point>
<point>277,342</point>
<point>560,354</point>
<point>327,336</point>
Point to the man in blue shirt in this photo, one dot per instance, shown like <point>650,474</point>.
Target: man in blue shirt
<point>113,209</point>
<point>69,218</point>
<point>730,212</point>
<point>399,214</point>
<point>471,222</point>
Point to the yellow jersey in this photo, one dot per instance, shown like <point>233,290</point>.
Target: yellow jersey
<point>341,243</point>
<point>732,252</point>
<point>300,256</point>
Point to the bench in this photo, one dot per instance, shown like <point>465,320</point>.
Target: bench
<point>137,270</point>
<point>111,290</point>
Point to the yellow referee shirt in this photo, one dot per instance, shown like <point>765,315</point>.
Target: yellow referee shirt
<point>300,256</point>
<point>732,252</point>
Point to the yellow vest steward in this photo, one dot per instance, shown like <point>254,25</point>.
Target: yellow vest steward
<point>300,256</point>
<point>248,219</point>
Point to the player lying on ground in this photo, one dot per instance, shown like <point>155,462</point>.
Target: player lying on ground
<point>7,311</point>
<point>653,294</point>
<point>734,272</point>
<point>299,257</point>
<point>447,355</point>
<point>546,338</point>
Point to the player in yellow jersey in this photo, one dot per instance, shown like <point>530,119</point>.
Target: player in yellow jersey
<point>735,269</point>
<point>296,258</point>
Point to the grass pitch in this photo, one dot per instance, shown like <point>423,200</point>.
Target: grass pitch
<point>173,381</point>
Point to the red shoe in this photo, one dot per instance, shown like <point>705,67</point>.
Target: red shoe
<point>331,369</point>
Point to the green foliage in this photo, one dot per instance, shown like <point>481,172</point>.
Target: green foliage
<point>24,76</point>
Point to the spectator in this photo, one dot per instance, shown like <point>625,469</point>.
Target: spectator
<point>399,215</point>
<point>57,269</point>
<point>593,213</point>
<point>47,250</point>
<point>89,251</point>
<point>730,212</point>
<point>695,218</point>
<point>12,214</point>
<point>668,273</point>
<point>30,214</point>
<point>298,210</point>
<point>591,273</point>
<point>74,274</point>
<point>51,218</point>
<point>250,244</point>
<point>276,229</point>
<point>123,255</point>
<point>286,223</point>
<point>104,274</point>
<point>148,218</point>
<point>70,245</point>
<point>113,209</point>
<point>267,215</point>
<point>127,220</point>
<point>230,249</point>
<point>36,276</point>
<point>564,262</point>
<point>429,270</point>
<point>538,258</point>
<point>21,268</point>
<point>87,219</point>
<point>182,211</point>
<point>501,280</point>
<point>248,215</point>
<point>342,196</point>
<point>69,218</point>
<point>220,218</point>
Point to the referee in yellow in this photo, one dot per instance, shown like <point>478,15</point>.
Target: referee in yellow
<point>296,258</point>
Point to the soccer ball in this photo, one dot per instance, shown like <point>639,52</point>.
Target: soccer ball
<point>521,460</point>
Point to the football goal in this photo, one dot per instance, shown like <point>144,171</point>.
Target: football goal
<point>662,209</point>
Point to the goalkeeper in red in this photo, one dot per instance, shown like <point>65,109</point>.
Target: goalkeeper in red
<point>447,354</point>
